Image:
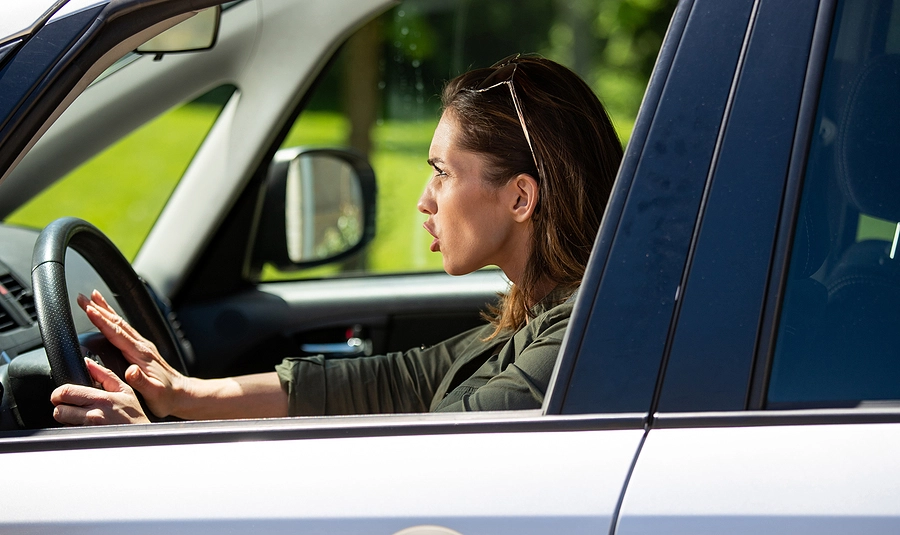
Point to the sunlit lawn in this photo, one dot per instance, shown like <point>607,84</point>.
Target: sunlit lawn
<point>400,151</point>
<point>123,190</point>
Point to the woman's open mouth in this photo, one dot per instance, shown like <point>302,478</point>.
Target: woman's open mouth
<point>436,243</point>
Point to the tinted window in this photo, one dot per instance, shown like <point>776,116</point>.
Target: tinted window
<point>839,335</point>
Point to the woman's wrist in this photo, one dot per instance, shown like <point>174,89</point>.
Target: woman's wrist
<point>248,396</point>
<point>186,394</point>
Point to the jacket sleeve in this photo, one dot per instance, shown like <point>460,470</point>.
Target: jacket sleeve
<point>392,383</point>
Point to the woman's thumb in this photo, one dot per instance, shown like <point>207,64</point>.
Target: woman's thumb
<point>105,377</point>
<point>135,377</point>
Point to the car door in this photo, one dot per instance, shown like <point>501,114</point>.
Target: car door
<point>778,410</point>
<point>484,475</point>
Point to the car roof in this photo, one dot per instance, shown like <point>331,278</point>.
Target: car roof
<point>19,19</point>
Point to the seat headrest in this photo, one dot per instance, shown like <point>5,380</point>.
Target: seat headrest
<point>868,145</point>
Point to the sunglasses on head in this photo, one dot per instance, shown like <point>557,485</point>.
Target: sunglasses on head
<point>504,71</point>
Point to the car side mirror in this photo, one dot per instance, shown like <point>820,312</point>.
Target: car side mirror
<point>196,33</point>
<point>317,206</point>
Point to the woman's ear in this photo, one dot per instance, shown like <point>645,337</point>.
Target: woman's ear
<point>522,196</point>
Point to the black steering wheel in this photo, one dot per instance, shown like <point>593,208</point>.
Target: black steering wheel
<point>51,298</point>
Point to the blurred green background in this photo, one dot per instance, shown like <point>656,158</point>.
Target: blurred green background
<point>379,95</point>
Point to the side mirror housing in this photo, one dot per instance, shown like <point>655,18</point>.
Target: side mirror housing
<point>196,33</point>
<point>317,206</point>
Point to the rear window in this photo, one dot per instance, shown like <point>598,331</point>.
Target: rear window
<point>839,337</point>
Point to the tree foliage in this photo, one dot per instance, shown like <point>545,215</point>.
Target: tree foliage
<point>611,43</point>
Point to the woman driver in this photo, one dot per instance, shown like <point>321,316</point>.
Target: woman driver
<point>524,158</point>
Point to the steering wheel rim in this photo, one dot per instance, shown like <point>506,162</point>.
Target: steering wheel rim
<point>51,297</point>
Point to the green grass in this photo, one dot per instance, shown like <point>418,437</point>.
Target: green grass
<point>400,151</point>
<point>123,190</point>
<point>872,228</point>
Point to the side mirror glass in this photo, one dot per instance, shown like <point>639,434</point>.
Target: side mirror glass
<point>196,33</point>
<point>324,216</point>
<point>318,206</point>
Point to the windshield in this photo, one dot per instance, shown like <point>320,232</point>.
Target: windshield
<point>19,18</point>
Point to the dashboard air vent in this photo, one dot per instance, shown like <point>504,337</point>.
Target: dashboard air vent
<point>6,322</point>
<point>21,295</point>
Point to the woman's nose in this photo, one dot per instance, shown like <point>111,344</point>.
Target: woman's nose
<point>426,203</point>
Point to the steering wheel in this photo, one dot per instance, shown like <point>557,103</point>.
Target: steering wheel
<point>51,298</point>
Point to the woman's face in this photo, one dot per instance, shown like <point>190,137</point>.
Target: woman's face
<point>471,225</point>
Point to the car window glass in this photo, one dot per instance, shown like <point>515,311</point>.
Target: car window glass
<point>838,340</point>
<point>380,93</point>
<point>123,189</point>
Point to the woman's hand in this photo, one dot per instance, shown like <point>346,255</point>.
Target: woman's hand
<point>159,383</point>
<point>165,390</point>
<point>85,405</point>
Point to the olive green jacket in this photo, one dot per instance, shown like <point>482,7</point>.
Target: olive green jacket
<point>463,373</point>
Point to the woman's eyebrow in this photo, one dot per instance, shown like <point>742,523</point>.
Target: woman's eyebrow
<point>433,161</point>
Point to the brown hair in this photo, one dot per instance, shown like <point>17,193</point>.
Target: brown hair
<point>576,157</point>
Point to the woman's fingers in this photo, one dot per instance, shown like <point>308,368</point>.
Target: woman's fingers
<point>108,413</point>
<point>108,311</point>
<point>97,297</point>
<point>113,332</point>
<point>85,395</point>
<point>135,348</point>
<point>71,415</point>
<point>95,313</point>
<point>76,395</point>
<point>84,405</point>
<point>149,373</point>
<point>99,305</point>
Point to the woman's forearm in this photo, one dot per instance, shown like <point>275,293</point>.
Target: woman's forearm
<point>247,396</point>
